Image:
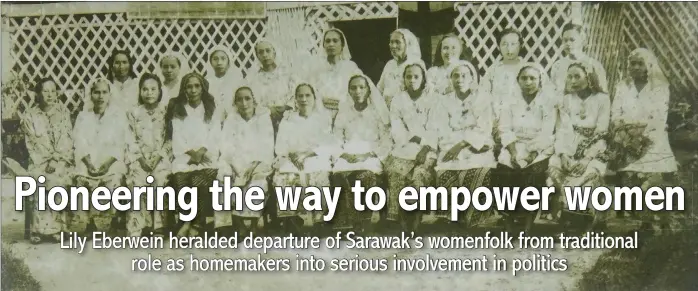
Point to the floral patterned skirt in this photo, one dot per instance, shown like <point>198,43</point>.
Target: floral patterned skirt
<point>471,179</point>
<point>346,215</point>
<point>317,179</point>
<point>403,173</point>
<point>49,222</point>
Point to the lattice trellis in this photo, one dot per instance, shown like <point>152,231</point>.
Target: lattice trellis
<point>670,30</point>
<point>603,25</point>
<point>74,48</point>
<point>539,23</point>
<point>321,16</point>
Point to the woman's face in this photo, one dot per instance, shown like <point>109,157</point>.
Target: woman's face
<point>219,62</point>
<point>577,79</point>
<point>398,46</point>
<point>572,41</point>
<point>333,43</point>
<point>637,67</point>
<point>265,53</point>
<point>121,66</point>
<point>49,92</point>
<point>244,101</point>
<point>461,79</point>
<point>450,49</point>
<point>358,89</point>
<point>413,78</point>
<point>529,81</point>
<point>150,92</point>
<point>510,46</point>
<point>170,68</point>
<point>305,100</point>
<point>193,89</point>
<point>100,94</point>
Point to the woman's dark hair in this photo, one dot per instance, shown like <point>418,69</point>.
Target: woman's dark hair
<point>146,77</point>
<point>312,89</point>
<point>39,86</point>
<point>359,77</point>
<point>338,31</point>
<point>465,53</point>
<point>424,75</point>
<point>592,78</point>
<point>508,31</point>
<point>235,95</point>
<point>175,108</point>
<point>110,63</point>
<point>572,26</point>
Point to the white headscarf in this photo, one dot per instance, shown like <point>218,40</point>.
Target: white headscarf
<point>375,99</point>
<point>89,106</point>
<point>412,50</point>
<point>655,76</point>
<point>545,86</point>
<point>259,109</point>
<point>345,54</point>
<point>411,62</point>
<point>471,69</point>
<point>278,55</point>
<point>184,66</point>
<point>232,69</point>
<point>318,107</point>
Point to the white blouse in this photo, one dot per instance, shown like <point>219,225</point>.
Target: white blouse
<point>649,106</point>
<point>439,79</point>
<point>223,89</point>
<point>529,127</point>
<point>469,120</point>
<point>273,88</point>
<point>311,133</point>
<point>101,138</point>
<point>408,119</point>
<point>193,132</point>
<point>333,79</point>
<point>500,83</point>
<point>124,94</point>
<point>361,132</point>
<point>246,141</point>
<point>391,81</point>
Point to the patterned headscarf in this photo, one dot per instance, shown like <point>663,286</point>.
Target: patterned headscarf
<point>412,50</point>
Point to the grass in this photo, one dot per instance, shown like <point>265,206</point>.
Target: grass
<point>16,275</point>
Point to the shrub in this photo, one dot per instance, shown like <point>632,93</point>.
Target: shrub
<point>16,275</point>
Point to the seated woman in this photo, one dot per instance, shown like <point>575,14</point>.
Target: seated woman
<point>404,47</point>
<point>304,151</point>
<point>148,154</point>
<point>100,136</point>
<point>248,154</point>
<point>642,100</point>
<point>585,114</point>
<point>526,126</point>
<point>362,129</point>
<point>463,122</point>
<point>413,157</point>
<point>48,135</point>
<point>193,126</point>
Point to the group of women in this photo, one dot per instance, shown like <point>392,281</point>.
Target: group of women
<point>331,126</point>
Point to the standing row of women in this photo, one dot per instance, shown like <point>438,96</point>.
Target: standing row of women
<point>331,126</point>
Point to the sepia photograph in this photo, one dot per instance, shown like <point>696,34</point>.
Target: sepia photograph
<point>99,96</point>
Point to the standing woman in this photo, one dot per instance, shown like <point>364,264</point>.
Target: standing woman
<point>303,150</point>
<point>123,79</point>
<point>272,81</point>
<point>585,113</point>
<point>171,67</point>
<point>248,154</point>
<point>573,38</point>
<point>526,128</point>
<point>500,81</point>
<point>48,134</point>
<point>449,50</point>
<point>193,126</point>
<point>148,154</point>
<point>463,121</point>
<point>404,47</point>
<point>222,76</point>
<point>334,70</point>
<point>642,99</point>
<point>100,136</point>
<point>413,157</point>
<point>362,129</point>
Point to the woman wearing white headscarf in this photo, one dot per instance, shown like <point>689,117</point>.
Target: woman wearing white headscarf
<point>463,122</point>
<point>413,156</point>
<point>362,129</point>
<point>334,69</point>
<point>272,81</point>
<point>642,99</point>
<point>585,112</point>
<point>100,135</point>
<point>171,67</point>
<point>404,47</point>
<point>249,152</point>
<point>304,148</point>
<point>526,126</point>
<point>223,76</point>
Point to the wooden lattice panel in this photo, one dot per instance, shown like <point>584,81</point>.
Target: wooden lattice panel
<point>670,30</point>
<point>603,23</point>
<point>321,16</point>
<point>73,49</point>
<point>540,24</point>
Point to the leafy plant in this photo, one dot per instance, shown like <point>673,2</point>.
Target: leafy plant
<point>16,275</point>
